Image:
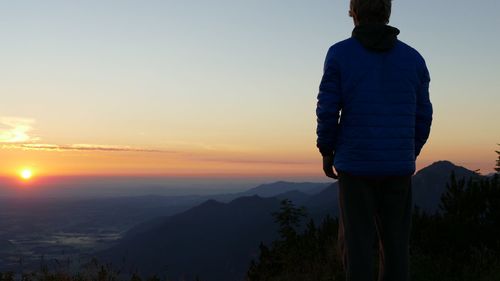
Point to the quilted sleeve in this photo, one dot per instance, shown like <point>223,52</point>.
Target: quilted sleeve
<point>424,111</point>
<point>328,105</point>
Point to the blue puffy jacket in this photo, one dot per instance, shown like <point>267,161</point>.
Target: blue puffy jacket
<point>374,114</point>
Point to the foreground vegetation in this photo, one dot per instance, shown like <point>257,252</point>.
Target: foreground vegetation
<point>92,271</point>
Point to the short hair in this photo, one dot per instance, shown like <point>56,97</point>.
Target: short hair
<point>372,11</point>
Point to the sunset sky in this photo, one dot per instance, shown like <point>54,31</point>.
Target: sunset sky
<point>220,88</point>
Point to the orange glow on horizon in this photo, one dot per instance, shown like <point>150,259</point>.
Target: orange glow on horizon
<point>30,166</point>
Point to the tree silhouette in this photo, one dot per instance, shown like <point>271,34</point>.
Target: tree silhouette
<point>289,218</point>
<point>497,168</point>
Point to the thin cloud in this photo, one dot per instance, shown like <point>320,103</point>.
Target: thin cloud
<point>80,147</point>
<point>16,130</point>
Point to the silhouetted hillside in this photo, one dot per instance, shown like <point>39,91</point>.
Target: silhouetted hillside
<point>430,183</point>
<point>215,240</point>
<point>325,202</point>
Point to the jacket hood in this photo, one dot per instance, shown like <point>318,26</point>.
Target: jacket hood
<point>376,37</point>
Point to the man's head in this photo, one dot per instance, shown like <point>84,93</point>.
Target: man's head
<point>370,11</point>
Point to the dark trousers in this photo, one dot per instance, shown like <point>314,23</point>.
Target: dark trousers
<point>371,206</point>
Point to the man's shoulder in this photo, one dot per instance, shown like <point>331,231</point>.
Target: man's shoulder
<point>410,50</point>
<point>341,49</point>
<point>416,57</point>
<point>345,44</point>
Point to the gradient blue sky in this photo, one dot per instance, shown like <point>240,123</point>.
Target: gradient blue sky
<point>225,82</point>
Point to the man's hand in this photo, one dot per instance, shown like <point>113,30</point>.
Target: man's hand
<point>328,167</point>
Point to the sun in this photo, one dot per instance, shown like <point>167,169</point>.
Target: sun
<point>26,174</point>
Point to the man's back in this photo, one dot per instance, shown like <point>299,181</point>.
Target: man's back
<point>380,89</point>
<point>374,117</point>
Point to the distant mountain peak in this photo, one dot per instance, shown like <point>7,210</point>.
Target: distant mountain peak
<point>430,183</point>
<point>281,182</point>
<point>210,203</point>
<point>247,199</point>
<point>444,166</point>
<point>443,163</point>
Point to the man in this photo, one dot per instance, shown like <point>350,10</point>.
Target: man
<point>374,117</point>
